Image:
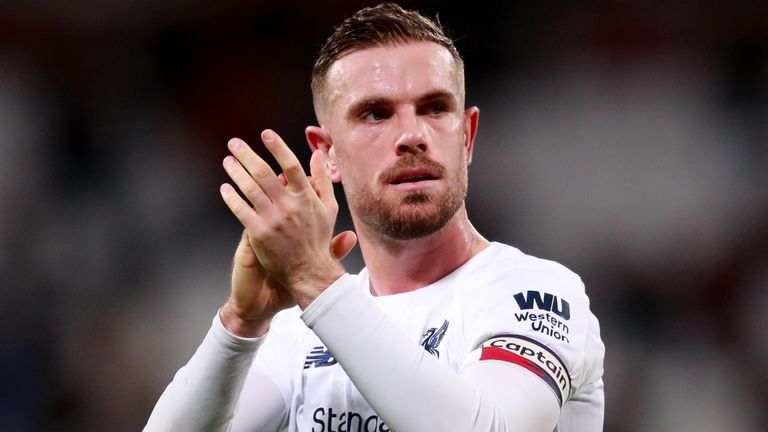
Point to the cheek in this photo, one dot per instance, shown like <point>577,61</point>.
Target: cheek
<point>451,139</point>
<point>352,167</point>
<point>362,148</point>
<point>449,130</point>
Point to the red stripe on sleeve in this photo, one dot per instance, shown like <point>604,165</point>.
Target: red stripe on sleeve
<point>496,353</point>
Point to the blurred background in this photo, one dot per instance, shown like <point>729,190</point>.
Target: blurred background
<point>626,140</point>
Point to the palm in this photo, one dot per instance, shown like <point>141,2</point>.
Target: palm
<point>256,295</point>
<point>253,289</point>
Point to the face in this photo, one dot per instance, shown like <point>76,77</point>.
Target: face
<point>398,138</point>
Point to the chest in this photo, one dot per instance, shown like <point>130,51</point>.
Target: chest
<point>325,399</point>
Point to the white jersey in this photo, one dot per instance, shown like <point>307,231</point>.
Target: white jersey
<point>502,305</point>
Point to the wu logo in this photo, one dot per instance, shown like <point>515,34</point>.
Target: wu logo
<point>319,357</point>
<point>432,338</point>
<point>548,303</point>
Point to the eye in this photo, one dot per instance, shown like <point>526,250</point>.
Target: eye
<point>433,109</point>
<point>375,115</point>
<point>437,108</point>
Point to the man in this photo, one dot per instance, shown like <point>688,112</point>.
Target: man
<point>443,330</point>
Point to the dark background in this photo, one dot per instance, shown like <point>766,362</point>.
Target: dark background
<point>626,140</point>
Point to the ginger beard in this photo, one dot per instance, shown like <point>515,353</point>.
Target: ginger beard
<point>415,213</point>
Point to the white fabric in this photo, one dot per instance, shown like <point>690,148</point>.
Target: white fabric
<point>203,393</point>
<point>377,340</point>
<point>410,389</point>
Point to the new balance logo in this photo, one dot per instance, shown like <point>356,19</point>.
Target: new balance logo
<point>319,357</point>
<point>550,303</point>
<point>432,338</point>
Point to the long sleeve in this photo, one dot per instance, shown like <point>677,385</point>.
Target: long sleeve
<point>410,389</point>
<point>204,394</point>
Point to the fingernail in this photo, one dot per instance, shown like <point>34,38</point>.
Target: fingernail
<point>268,135</point>
<point>234,144</point>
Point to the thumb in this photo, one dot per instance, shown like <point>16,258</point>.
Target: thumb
<point>343,243</point>
<point>245,255</point>
<point>322,180</point>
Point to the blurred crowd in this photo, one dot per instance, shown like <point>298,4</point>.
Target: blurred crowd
<point>626,140</point>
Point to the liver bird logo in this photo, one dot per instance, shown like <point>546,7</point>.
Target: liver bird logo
<point>432,338</point>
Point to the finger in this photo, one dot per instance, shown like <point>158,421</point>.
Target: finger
<point>245,182</point>
<point>245,256</point>
<point>288,162</point>
<point>257,168</point>
<point>237,205</point>
<point>321,177</point>
<point>281,178</point>
<point>343,243</point>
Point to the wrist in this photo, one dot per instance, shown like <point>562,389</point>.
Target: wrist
<point>233,320</point>
<point>307,288</point>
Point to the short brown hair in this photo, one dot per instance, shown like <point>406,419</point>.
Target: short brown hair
<point>382,25</point>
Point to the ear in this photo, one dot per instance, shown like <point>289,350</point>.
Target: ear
<point>471,117</point>
<point>319,139</point>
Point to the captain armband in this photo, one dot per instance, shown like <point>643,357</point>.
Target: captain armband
<point>533,356</point>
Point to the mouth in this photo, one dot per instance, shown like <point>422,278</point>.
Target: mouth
<point>413,177</point>
<point>413,172</point>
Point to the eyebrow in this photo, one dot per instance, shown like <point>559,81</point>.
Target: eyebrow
<point>438,94</point>
<point>377,101</point>
<point>367,103</point>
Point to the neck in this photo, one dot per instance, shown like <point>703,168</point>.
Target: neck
<point>397,266</point>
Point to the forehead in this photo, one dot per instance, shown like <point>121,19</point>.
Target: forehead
<point>398,71</point>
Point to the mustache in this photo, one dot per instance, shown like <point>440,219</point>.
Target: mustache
<point>412,161</point>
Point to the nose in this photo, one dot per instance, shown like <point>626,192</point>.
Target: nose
<point>412,138</point>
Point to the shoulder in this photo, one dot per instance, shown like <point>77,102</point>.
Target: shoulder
<point>529,300</point>
<point>505,270</point>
